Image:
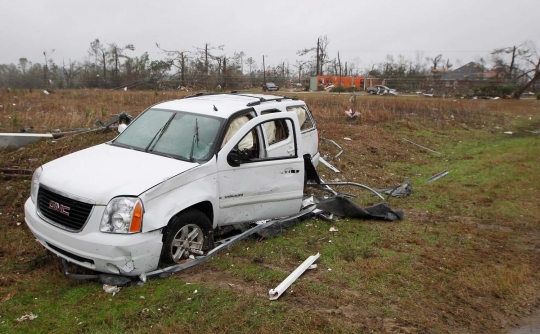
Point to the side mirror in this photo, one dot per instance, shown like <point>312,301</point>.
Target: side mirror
<point>233,158</point>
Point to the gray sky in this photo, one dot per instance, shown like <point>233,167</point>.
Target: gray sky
<point>362,31</point>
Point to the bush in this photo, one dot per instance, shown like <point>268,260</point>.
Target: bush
<point>338,89</point>
<point>505,90</point>
<point>538,96</point>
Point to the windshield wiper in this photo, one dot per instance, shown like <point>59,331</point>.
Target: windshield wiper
<point>195,138</point>
<point>160,133</point>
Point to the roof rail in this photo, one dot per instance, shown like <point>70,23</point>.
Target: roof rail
<point>250,104</point>
<point>278,99</point>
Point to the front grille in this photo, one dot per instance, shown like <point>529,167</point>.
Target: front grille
<point>71,255</point>
<point>49,203</point>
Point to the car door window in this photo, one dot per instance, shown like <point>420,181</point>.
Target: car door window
<point>257,152</point>
<point>276,131</point>
<point>233,128</point>
<point>304,117</point>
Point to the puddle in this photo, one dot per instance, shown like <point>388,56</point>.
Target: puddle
<point>529,325</point>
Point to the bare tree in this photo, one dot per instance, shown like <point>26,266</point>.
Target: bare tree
<point>321,56</point>
<point>179,59</point>
<point>70,72</point>
<point>115,53</point>
<point>99,53</point>
<point>250,62</point>
<point>434,61</point>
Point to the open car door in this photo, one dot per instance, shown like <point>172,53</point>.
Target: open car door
<point>254,186</point>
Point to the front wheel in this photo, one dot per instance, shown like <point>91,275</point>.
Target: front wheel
<point>188,233</point>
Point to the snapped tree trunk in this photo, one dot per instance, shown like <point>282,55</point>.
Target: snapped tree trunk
<point>521,90</point>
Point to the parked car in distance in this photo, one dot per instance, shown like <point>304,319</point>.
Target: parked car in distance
<point>381,90</point>
<point>182,169</point>
<point>270,86</point>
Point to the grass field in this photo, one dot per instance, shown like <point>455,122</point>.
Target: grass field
<point>465,259</point>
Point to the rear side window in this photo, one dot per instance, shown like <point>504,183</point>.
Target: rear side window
<point>304,117</point>
<point>276,131</point>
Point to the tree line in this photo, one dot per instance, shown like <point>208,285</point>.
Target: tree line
<point>111,66</point>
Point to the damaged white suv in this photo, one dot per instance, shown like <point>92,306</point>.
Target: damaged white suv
<point>155,194</point>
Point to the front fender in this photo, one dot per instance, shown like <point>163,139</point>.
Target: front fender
<point>165,200</point>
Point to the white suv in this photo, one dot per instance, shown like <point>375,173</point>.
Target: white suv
<point>182,168</point>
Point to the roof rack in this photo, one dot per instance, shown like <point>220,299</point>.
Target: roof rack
<point>278,99</point>
<point>250,104</point>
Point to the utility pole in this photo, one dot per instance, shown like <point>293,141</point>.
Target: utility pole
<point>318,58</point>
<point>264,72</point>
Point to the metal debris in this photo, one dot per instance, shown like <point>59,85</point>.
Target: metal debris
<point>16,140</point>
<point>438,176</point>
<point>400,190</point>
<point>327,164</point>
<point>15,173</point>
<point>321,186</point>
<point>425,148</point>
<point>333,142</point>
<point>307,264</point>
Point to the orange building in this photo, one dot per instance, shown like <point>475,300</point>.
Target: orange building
<point>322,81</point>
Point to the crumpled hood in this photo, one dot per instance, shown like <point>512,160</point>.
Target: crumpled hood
<point>102,172</point>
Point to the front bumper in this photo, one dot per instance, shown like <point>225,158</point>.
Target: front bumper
<point>125,254</point>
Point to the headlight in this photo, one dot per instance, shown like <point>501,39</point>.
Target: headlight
<point>34,187</point>
<point>122,215</point>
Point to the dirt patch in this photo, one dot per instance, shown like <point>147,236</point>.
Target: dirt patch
<point>528,325</point>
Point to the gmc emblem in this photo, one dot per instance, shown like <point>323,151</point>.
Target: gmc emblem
<point>59,207</point>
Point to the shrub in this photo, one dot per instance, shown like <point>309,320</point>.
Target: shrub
<point>538,96</point>
<point>338,89</point>
<point>505,90</point>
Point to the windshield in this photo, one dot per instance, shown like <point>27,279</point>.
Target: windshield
<point>182,135</point>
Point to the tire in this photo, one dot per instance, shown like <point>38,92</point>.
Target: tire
<point>188,233</point>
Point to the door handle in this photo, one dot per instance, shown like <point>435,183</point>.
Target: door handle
<point>290,150</point>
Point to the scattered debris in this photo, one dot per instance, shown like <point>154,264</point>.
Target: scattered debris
<point>347,138</point>
<point>16,140</point>
<point>45,92</point>
<point>352,116</point>
<point>425,148</point>
<point>276,293</point>
<point>400,190</point>
<point>333,229</point>
<point>344,207</point>
<point>15,173</point>
<point>438,176</point>
<point>508,133</point>
<point>111,289</point>
<point>327,164</point>
<point>428,95</point>
<point>333,142</point>
<point>324,187</point>
<point>25,317</point>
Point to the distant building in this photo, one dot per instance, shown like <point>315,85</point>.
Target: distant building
<point>322,81</point>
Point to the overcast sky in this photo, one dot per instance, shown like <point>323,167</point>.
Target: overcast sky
<point>362,31</point>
